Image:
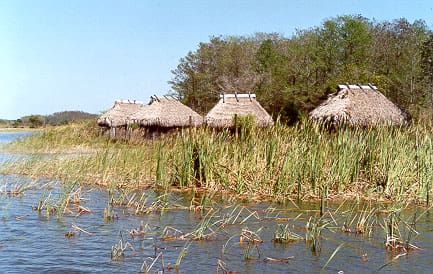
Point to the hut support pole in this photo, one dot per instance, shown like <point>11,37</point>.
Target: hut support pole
<point>112,132</point>
<point>236,126</point>
<point>129,131</point>
<point>431,95</point>
<point>190,124</point>
<point>431,99</point>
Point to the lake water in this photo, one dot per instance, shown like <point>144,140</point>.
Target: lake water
<point>32,242</point>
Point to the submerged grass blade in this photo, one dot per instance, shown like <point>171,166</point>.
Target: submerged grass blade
<point>332,255</point>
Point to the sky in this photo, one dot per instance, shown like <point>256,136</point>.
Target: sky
<point>82,55</point>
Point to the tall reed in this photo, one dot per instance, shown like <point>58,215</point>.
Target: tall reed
<point>280,162</point>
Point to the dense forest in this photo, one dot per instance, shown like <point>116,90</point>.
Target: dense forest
<point>291,75</point>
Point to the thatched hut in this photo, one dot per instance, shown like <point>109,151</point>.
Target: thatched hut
<point>163,114</point>
<point>116,118</point>
<point>232,105</point>
<point>357,105</point>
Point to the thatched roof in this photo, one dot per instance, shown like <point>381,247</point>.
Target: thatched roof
<point>118,115</point>
<point>359,105</point>
<point>166,112</point>
<point>222,114</point>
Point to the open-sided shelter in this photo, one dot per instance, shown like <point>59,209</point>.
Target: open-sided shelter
<point>163,114</point>
<point>358,105</point>
<point>231,105</point>
<point>116,118</point>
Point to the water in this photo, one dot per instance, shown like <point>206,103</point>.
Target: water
<point>6,137</point>
<point>31,242</point>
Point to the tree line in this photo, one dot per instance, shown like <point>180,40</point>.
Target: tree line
<point>291,75</point>
<point>55,119</point>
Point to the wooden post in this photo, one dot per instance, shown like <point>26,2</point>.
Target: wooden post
<point>190,124</point>
<point>236,126</point>
<point>129,131</point>
<point>431,102</point>
<point>431,107</point>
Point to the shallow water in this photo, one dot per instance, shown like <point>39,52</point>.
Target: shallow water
<point>32,242</point>
<point>8,136</point>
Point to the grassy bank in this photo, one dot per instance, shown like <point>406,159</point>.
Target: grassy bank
<point>300,162</point>
<point>19,129</point>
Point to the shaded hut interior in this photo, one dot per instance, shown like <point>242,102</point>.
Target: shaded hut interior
<point>114,122</point>
<point>230,106</point>
<point>358,105</point>
<point>164,114</point>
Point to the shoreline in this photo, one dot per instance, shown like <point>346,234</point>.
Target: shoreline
<point>12,129</point>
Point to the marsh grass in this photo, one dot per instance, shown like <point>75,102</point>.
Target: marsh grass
<point>252,251</point>
<point>146,203</point>
<point>146,268</point>
<point>109,213</point>
<point>360,219</point>
<point>206,230</point>
<point>76,138</point>
<point>182,254</point>
<point>140,231</point>
<point>283,234</point>
<point>65,200</point>
<point>5,210</point>
<point>222,266</point>
<point>282,164</point>
<point>298,162</point>
<point>248,236</point>
<point>313,232</point>
<point>17,188</point>
<point>400,232</point>
<point>118,250</point>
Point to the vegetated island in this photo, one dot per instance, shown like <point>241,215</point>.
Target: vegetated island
<point>36,121</point>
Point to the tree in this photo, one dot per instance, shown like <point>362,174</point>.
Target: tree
<point>17,123</point>
<point>396,58</point>
<point>221,65</point>
<point>290,75</point>
<point>274,75</point>
<point>36,121</point>
<point>427,65</point>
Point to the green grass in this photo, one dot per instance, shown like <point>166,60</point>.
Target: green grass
<point>299,162</point>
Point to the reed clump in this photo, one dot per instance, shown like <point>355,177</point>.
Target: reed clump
<point>280,162</point>
<point>16,188</point>
<point>283,234</point>
<point>118,250</point>
<point>400,233</point>
<point>360,220</point>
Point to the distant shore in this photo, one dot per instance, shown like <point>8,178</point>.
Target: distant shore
<point>18,129</point>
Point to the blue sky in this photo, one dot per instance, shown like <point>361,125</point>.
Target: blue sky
<point>84,54</point>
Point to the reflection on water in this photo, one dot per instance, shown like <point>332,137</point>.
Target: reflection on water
<point>32,242</point>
